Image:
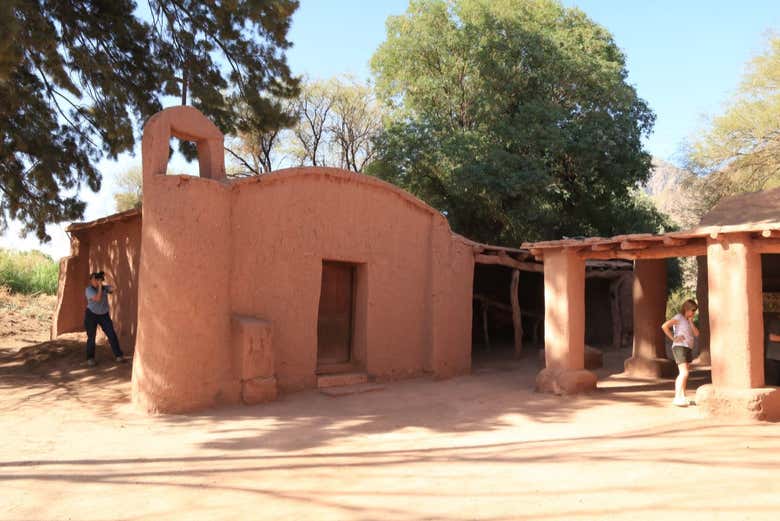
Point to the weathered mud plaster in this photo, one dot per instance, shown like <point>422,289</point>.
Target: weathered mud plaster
<point>594,358</point>
<point>737,333</point>
<point>735,306</point>
<point>230,265</point>
<point>702,298</point>
<point>649,355</point>
<point>564,325</point>
<point>761,403</point>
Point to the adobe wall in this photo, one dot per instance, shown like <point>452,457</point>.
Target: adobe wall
<point>74,271</point>
<point>416,277</point>
<point>221,255</point>
<point>112,247</point>
<point>183,356</point>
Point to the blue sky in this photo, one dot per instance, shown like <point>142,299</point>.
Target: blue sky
<point>685,58</point>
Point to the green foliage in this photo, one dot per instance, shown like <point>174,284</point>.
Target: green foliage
<point>740,150</point>
<point>130,183</point>
<point>515,119</point>
<point>675,301</point>
<point>28,272</point>
<point>77,79</point>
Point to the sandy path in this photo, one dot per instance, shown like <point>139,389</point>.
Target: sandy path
<point>478,447</point>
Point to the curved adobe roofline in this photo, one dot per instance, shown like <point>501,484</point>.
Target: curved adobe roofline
<point>304,172</point>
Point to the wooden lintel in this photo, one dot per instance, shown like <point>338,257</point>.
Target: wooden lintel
<point>670,241</point>
<point>633,245</point>
<point>506,260</point>
<point>608,255</point>
<point>766,245</point>
<point>609,265</point>
<point>606,274</point>
<point>663,252</point>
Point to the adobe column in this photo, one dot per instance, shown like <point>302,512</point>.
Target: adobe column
<point>564,325</point>
<point>648,359</point>
<point>702,299</point>
<point>736,333</point>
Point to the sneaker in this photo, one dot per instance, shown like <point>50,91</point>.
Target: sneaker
<point>91,362</point>
<point>120,359</point>
<point>680,402</point>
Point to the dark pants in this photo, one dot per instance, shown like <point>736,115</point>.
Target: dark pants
<point>91,322</point>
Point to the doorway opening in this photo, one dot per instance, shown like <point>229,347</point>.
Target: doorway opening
<point>341,319</point>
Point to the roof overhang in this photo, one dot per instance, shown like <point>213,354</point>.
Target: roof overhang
<point>691,243</point>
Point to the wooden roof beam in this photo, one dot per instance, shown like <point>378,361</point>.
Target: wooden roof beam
<point>671,241</point>
<point>633,245</point>
<point>655,252</point>
<point>509,262</point>
<point>766,245</point>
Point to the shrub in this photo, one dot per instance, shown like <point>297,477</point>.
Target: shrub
<point>28,272</point>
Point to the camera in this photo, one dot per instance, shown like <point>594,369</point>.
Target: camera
<point>99,275</point>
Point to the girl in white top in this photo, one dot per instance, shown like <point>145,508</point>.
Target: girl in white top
<point>682,337</point>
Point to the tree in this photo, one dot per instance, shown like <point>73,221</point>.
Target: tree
<point>335,123</point>
<point>78,78</point>
<point>258,151</point>
<point>740,151</point>
<point>312,110</point>
<point>130,184</point>
<point>514,118</point>
<point>357,123</point>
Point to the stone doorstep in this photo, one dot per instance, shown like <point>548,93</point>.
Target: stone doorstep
<point>346,390</point>
<point>341,379</point>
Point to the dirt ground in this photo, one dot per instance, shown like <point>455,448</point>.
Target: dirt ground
<point>483,446</point>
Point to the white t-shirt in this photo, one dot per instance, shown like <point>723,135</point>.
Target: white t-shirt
<point>683,329</point>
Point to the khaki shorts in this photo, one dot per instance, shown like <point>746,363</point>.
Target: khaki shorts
<point>682,354</point>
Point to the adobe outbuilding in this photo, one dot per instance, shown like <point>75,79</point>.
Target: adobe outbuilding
<point>234,290</point>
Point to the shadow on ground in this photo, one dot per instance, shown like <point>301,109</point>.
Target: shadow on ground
<point>57,370</point>
<point>499,388</point>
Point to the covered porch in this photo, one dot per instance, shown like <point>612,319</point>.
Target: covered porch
<point>732,254</point>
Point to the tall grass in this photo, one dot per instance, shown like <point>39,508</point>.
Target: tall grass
<point>28,272</point>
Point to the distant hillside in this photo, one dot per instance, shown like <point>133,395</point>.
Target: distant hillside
<point>671,196</point>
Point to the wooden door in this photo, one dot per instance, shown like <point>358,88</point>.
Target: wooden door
<point>334,324</point>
